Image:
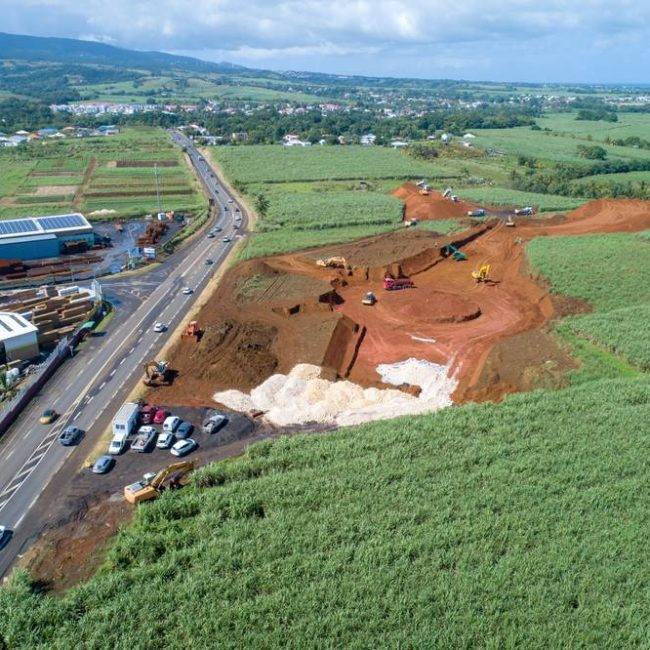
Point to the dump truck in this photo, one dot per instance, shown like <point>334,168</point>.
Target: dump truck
<point>527,211</point>
<point>369,299</point>
<point>394,284</point>
<point>451,251</point>
<point>172,476</point>
<point>157,373</point>
<point>480,212</point>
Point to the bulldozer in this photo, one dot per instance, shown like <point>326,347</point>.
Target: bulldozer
<point>192,330</point>
<point>369,299</point>
<point>482,274</point>
<point>333,262</point>
<point>173,476</point>
<point>157,373</point>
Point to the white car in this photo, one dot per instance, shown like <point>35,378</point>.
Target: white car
<point>116,446</point>
<point>159,327</point>
<point>165,440</point>
<point>231,201</point>
<point>226,240</point>
<point>187,291</point>
<point>184,447</point>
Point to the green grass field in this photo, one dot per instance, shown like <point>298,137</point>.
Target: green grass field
<point>315,194</point>
<point>81,175</point>
<point>521,524</point>
<point>506,196</point>
<point>610,272</point>
<point>629,124</point>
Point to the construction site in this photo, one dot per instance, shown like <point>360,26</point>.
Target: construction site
<point>399,323</point>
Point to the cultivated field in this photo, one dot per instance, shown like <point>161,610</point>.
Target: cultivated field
<point>103,177</point>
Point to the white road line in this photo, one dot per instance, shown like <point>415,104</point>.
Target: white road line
<point>112,372</point>
<point>10,454</point>
<point>90,399</point>
<point>20,519</point>
<point>102,385</point>
<point>123,360</point>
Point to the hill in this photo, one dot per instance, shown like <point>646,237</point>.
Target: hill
<point>68,50</point>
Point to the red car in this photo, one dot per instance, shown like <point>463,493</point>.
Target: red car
<point>147,413</point>
<point>160,416</point>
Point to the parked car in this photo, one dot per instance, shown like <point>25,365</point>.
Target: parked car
<point>147,413</point>
<point>187,291</point>
<point>160,416</point>
<point>117,445</point>
<point>214,423</point>
<point>165,440</point>
<point>231,201</point>
<point>184,430</point>
<point>210,235</point>
<point>103,465</point>
<point>145,439</point>
<point>209,261</point>
<point>159,327</point>
<point>226,240</point>
<point>184,447</point>
<point>70,436</point>
<point>171,423</point>
<point>48,416</point>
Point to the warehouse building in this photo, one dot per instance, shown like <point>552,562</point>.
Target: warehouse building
<point>35,238</point>
<point>18,338</point>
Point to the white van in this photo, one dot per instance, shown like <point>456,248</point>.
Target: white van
<point>171,424</point>
<point>117,445</point>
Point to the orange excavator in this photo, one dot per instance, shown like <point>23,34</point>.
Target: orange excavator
<point>192,330</point>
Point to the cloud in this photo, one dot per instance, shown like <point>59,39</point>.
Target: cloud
<point>310,30</point>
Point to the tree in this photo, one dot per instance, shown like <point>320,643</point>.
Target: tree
<point>594,152</point>
<point>262,205</point>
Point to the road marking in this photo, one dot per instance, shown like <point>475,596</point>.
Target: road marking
<point>102,385</point>
<point>112,372</point>
<point>123,360</point>
<point>20,519</point>
<point>90,399</point>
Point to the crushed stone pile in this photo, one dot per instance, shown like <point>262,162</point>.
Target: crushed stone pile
<point>304,397</point>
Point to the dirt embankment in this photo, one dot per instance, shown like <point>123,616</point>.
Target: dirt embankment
<point>269,315</point>
<point>432,206</point>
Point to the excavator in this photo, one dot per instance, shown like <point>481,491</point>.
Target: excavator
<point>482,274</point>
<point>192,330</point>
<point>157,373</point>
<point>173,476</point>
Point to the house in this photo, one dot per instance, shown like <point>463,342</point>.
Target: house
<point>445,138</point>
<point>109,129</point>
<point>291,140</point>
<point>469,136</point>
<point>399,144</point>
<point>239,136</point>
<point>16,139</point>
<point>322,142</point>
<point>431,137</point>
<point>368,139</point>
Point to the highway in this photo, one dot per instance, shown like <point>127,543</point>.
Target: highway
<point>89,388</point>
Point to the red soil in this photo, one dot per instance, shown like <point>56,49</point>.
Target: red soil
<point>431,207</point>
<point>300,312</point>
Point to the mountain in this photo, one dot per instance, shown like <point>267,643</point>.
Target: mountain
<point>68,50</point>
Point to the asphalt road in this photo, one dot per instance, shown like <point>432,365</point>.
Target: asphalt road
<point>89,388</point>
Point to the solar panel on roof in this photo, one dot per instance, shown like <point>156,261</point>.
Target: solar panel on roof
<point>64,221</point>
<point>17,226</point>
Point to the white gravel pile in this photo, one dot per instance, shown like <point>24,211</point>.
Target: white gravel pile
<point>302,397</point>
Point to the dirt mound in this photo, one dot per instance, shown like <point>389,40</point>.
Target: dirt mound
<point>430,207</point>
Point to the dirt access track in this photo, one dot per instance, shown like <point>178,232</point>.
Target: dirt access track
<point>270,314</point>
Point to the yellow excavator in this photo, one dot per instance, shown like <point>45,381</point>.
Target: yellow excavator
<point>482,274</point>
<point>172,476</point>
<point>157,373</point>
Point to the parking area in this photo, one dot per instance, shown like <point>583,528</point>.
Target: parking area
<point>130,465</point>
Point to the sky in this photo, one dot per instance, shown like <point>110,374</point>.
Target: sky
<point>588,41</point>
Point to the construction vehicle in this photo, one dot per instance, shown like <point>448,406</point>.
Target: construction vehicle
<point>408,223</point>
<point>451,251</point>
<point>173,476</point>
<point>482,274</point>
<point>192,330</point>
<point>157,373</point>
<point>447,194</point>
<point>333,262</point>
<point>510,222</point>
<point>369,299</point>
<point>394,284</point>
<point>527,211</point>
<point>424,190</point>
<point>480,212</point>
